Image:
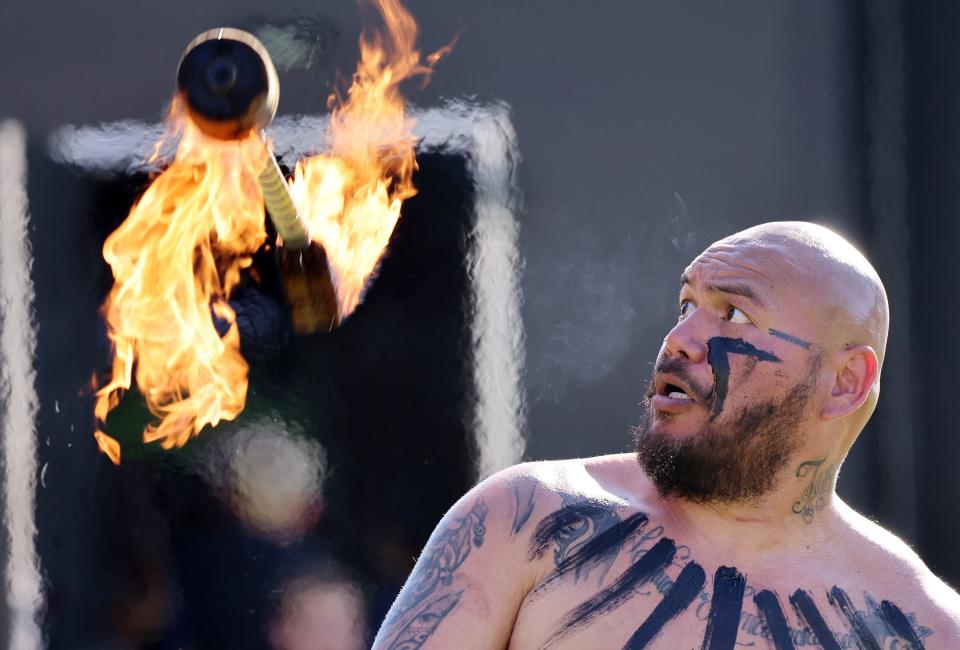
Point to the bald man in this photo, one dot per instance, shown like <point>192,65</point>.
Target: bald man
<point>724,529</point>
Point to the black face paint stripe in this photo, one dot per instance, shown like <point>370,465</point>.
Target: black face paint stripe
<point>598,550</point>
<point>841,602</point>
<point>683,592</point>
<point>768,605</point>
<point>900,624</point>
<point>725,608</point>
<point>657,558</point>
<point>807,610</point>
<point>719,349</point>
<point>790,338</point>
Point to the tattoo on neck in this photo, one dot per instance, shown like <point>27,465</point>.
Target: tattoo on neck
<point>814,497</point>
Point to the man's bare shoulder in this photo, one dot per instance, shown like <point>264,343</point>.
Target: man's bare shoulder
<point>593,476</point>
<point>537,487</point>
<point>492,547</point>
<point>883,553</point>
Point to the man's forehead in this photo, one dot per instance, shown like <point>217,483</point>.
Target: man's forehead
<point>765,266</point>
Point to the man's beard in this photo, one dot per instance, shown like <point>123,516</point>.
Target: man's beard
<point>740,462</point>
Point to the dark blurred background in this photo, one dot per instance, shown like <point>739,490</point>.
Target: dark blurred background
<point>647,130</point>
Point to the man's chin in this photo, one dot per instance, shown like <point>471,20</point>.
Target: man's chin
<point>683,426</point>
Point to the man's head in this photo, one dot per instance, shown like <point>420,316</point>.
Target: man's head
<point>776,352</point>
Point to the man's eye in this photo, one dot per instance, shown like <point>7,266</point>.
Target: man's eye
<point>685,308</point>
<point>734,315</point>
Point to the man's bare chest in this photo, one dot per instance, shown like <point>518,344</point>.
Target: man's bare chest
<point>621,581</point>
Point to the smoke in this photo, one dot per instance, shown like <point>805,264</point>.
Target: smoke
<point>302,43</point>
<point>592,299</point>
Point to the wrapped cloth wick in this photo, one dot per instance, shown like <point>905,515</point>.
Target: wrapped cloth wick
<point>283,213</point>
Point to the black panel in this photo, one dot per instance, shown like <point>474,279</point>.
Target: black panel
<point>387,395</point>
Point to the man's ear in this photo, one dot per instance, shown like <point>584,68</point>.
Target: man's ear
<point>856,370</point>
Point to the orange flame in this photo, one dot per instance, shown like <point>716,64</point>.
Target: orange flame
<point>175,260</point>
<point>180,252</point>
<point>350,197</point>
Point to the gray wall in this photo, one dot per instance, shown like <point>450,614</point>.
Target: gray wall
<point>647,130</point>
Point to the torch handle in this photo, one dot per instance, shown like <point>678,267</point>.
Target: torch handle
<point>283,214</point>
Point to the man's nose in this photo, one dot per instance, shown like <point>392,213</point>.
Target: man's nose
<point>687,339</point>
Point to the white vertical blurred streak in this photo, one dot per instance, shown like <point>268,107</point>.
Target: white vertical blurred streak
<point>495,267</point>
<point>18,391</point>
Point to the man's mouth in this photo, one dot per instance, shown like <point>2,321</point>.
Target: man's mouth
<point>676,386</point>
<point>676,392</point>
<point>673,392</point>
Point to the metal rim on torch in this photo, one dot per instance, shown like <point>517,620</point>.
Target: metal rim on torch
<point>229,83</point>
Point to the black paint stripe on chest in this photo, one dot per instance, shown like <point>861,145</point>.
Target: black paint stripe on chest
<point>725,608</point>
<point>598,550</point>
<point>607,600</point>
<point>900,624</point>
<point>807,610</point>
<point>683,592</point>
<point>719,349</point>
<point>768,605</point>
<point>841,602</point>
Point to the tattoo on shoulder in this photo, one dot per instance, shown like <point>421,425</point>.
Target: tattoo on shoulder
<point>571,529</point>
<point>586,536</point>
<point>417,615</point>
<point>814,497</point>
<point>524,496</point>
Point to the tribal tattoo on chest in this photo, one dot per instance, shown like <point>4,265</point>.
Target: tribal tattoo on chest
<point>584,538</point>
<point>726,612</point>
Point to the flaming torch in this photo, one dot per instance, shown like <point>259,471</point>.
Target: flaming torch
<point>183,247</point>
<point>229,86</point>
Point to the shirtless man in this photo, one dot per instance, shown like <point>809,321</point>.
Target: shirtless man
<point>724,528</point>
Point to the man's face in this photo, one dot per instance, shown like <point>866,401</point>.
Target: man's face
<point>734,380</point>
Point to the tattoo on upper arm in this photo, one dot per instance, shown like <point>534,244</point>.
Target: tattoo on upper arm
<point>814,497</point>
<point>414,616</point>
<point>419,628</point>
